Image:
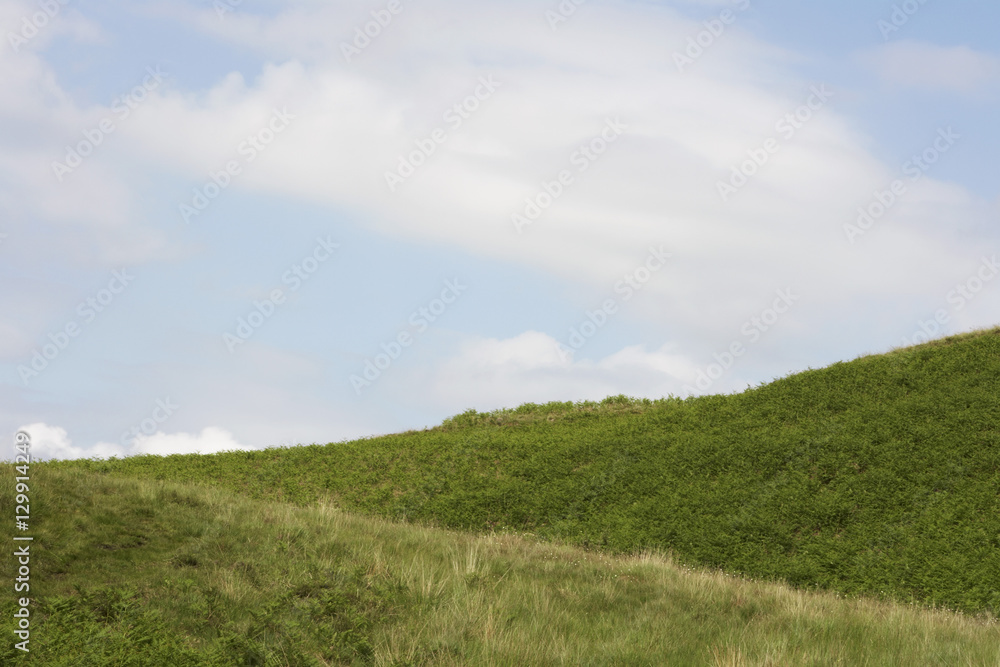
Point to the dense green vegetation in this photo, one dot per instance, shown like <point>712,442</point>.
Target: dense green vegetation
<point>877,476</point>
<point>142,573</point>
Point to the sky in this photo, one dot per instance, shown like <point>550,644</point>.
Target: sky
<point>229,224</point>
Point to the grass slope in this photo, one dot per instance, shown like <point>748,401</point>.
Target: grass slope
<point>148,574</point>
<point>876,476</point>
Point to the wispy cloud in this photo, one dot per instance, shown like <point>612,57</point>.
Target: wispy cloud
<point>802,141</point>
<point>931,67</point>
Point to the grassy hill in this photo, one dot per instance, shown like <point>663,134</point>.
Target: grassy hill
<point>877,476</point>
<point>148,573</point>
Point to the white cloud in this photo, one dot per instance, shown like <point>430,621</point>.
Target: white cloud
<point>211,440</point>
<point>53,442</point>
<point>487,373</point>
<point>92,207</point>
<point>34,29</point>
<point>932,67</point>
<point>656,184</point>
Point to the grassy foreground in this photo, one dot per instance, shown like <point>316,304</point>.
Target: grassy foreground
<point>149,573</point>
<point>878,476</point>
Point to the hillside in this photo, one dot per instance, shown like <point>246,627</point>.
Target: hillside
<point>142,573</point>
<point>877,476</point>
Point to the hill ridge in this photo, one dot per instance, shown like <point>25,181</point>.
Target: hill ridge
<point>877,475</point>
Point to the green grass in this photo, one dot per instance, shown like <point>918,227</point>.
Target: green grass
<point>877,476</point>
<point>152,573</point>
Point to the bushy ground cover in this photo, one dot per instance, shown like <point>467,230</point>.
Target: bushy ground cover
<point>146,573</point>
<point>876,476</point>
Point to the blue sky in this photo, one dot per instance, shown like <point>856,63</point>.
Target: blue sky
<point>647,198</point>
